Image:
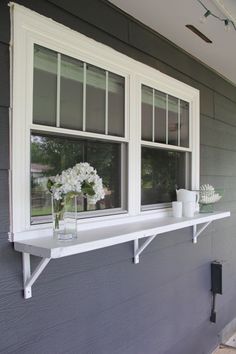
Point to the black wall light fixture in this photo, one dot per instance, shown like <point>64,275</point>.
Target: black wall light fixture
<point>216,286</point>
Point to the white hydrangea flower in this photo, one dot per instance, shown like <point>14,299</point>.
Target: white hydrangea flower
<point>72,179</point>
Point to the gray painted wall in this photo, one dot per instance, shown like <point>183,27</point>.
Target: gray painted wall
<point>100,302</point>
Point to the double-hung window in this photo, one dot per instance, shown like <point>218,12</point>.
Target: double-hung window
<point>78,115</point>
<point>166,151</point>
<point>76,100</point>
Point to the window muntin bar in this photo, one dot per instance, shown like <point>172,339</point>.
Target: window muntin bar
<point>106,104</point>
<point>167,119</point>
<point>58,89</point>
<point>178,122</point>
<point>153,114</point>
<point>84,97</point>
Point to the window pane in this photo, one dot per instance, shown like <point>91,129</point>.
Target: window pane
<point>147,112</point>
<point>95,99</point>
<point>71,100</point>
<point>44,86</point>
<point>172,120</point>
<point>51,155</point>
<point>116,104</point>
<point>163,171</point>
<point>184,124</point>
<point>160,117</point>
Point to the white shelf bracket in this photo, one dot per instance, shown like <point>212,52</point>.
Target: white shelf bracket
<point>138,250</point>
<point>29,278</point>
<point>197,232</point>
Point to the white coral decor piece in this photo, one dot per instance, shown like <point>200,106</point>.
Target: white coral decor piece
<point>82,179</point>
<point>208,195</point>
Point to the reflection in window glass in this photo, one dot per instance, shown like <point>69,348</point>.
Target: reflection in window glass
<point>147,113</point>
<point>172,120</point>
<point>160,117</point>
<point>95,99</point>
<point>163,171</point>
<point>184,123</point>
<point>116,104</point>
<point>71,98</point>
<point>51,155</point>
<point>44,86</point>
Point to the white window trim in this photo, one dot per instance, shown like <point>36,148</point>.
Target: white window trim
<point>28,28</point>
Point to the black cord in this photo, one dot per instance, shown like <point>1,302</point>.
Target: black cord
<point>225,20</point>
<point>213,309</point>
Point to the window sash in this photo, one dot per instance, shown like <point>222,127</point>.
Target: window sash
<point>45,163</point>
<point>90,76</point>
<point>187,178</point>
<point>150,119</point>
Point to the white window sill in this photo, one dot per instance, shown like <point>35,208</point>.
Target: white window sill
<point>84,224</point>
<point>100,237</point>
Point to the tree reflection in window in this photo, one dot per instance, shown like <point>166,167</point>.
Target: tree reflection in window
<point>51,155</point>
<point>163,171</point>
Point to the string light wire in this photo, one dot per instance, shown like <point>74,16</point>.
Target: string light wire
<point>208,13</point>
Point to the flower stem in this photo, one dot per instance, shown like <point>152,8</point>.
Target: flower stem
<point>57,218</point>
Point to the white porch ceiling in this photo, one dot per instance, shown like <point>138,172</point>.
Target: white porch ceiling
<point>169,18</point>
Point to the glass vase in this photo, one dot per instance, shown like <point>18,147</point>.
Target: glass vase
<point>206,208</point>
<point>208,198</point>
<point>64,217</point>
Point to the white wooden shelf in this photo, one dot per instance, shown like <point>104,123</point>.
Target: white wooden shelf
<point>49,248</point>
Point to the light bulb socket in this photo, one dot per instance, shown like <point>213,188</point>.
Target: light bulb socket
<point>227,27</point>
<point>204,17</point>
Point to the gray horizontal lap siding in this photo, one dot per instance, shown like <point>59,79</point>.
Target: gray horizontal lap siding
<point>100,302</point>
